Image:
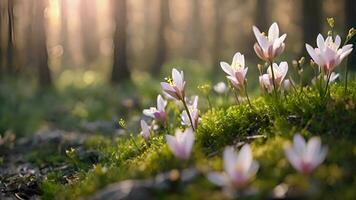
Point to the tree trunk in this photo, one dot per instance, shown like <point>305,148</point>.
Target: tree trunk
<point>161,48</point>
<point>10,38</point>
<point>64,33</point>
<point>261,17</point>
<point>44,75</point>
<point>194,36</point>
<point>218,35</point>
<point>89,34</point>
<point>1,40</point>
<point>311,20</point>
<point>120,70</point>
<point>350,11</point>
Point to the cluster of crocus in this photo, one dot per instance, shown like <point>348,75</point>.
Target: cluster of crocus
<point>268,48</point>
<point>280,71</point>
<point>240,168</point>
<point>175,88</point>
<point>181,144</point>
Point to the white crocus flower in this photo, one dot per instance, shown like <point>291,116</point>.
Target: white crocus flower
<point>236,71</point>
<point>305,157</point>
<point>328,53</point>
<point>175,87</point>
<point>145,130</point>
<point>194,112</point>
<point>220,88</point>
<point>269,47</point>
<point>181,144</point>
<point>238,168</point>
<point>158,112</point>
<point>280,72</point>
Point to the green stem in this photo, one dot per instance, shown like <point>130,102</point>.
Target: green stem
<point>248,99</point>
<point>346,75</point>
<point>209,102</point>
<point>236,97</point>
<point>327,84</point>
<point>273,79</point>
<point>190,118</point>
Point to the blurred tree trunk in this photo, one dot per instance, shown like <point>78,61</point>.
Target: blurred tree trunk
<point>350,21</point>
<point>89,34</point>
<point>218,35</point>
<point>311,20</point>
<point>44,75</point>
<point>29,43</point>
<point>120,70</point>
<point>10,38</point>
<point>194,36</point>
<point>261,17</point>
<point>64,33</point>
<point>161,48</point>
<point>1,39</point>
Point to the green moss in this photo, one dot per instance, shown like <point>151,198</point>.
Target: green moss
<point>132,157</point>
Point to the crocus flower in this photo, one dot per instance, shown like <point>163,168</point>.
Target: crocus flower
<point>194,112</point>
<point>175,87</point>
<point>236,71</point>
<point>238,168</point>
<point>280,72</point>
<point>181,144</point>
<point>158,112</point>
<point>328,55</point>
<point>305,157</point>
<point>145,130</point>
<point>220,88</point>
<point>269,47</point>
<point>332,78</point>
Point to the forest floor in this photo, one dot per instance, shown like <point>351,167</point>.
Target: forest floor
<point>79,163</point>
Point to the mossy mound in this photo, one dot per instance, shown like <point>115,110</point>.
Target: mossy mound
<point>266,126</point>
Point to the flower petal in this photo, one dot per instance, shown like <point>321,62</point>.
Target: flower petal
<point>217,178</point>
<point>226,68</point>
<point>230,159</point>
<point>244,158</point>
<point>273,32</point>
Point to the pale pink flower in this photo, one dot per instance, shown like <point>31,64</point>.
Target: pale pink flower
<point>332,78</point>
<point>305,157</point>
<point>181,144</point>
<point>175,87</point>
<point>280,72</point>
<point>328,55</point>
<point>269,47</point>
<point>158,112</point>
<point>238,168</point>
<point>194,112</point>
<point>220,88</point>
<point>236,71</point>
<point>145,130</point>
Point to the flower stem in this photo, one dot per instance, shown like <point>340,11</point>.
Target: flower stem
<point>273,79</point>
<point>327,84</point>
<point>236,97</point>
<point>248,99</point>
<point>190,118</point>
<point>209,102</point>
<point>346,74</point>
